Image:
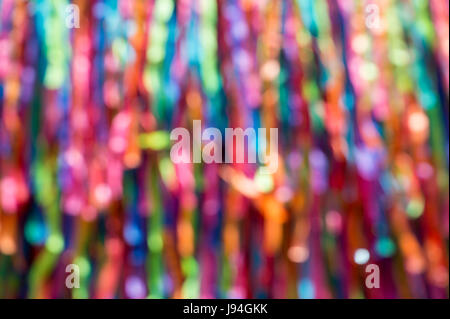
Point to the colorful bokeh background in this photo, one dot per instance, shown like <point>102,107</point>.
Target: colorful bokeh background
<point>359,91</point>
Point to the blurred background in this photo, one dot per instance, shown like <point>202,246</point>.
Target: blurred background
<point>359,92</point>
